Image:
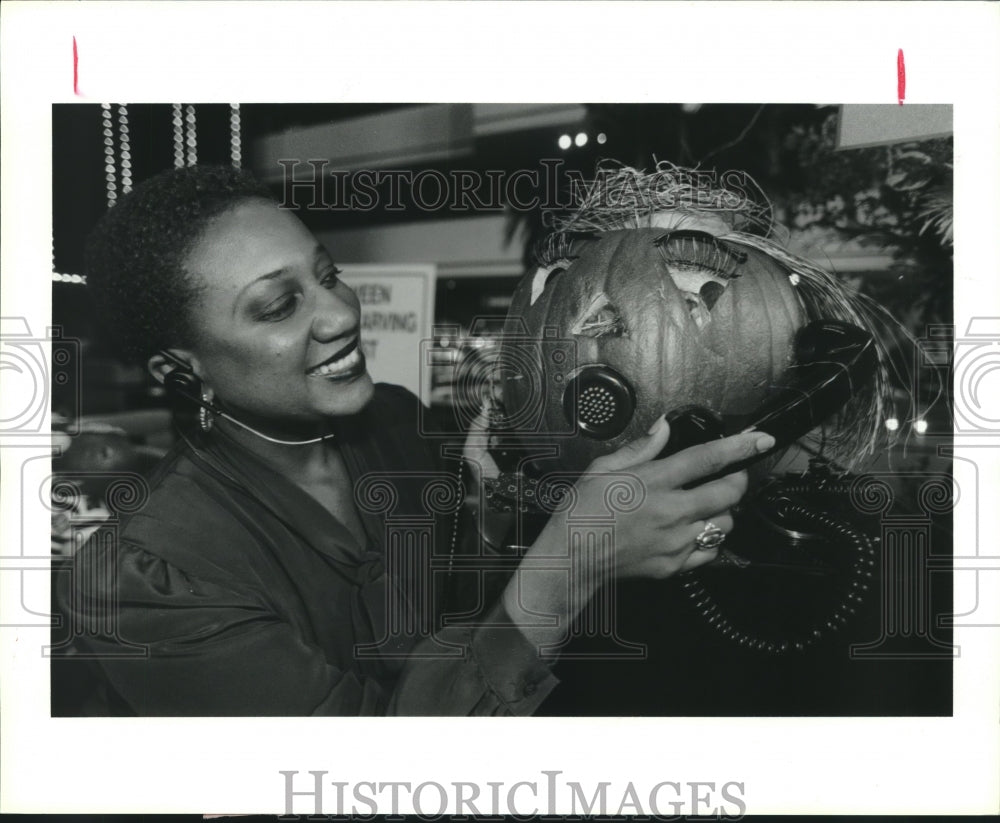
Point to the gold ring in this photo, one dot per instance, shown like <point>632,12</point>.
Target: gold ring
<point>711,537</point>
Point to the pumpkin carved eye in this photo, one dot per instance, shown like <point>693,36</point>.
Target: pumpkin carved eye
<point>545,276</point>
<point>601,319</point>
<point>701,290</point>
<point>701,268</point>
<point>710,293</point>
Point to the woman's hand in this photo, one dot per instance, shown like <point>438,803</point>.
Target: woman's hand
<point>475,452</point>
<point>493,526</point>
<point>656,540</point>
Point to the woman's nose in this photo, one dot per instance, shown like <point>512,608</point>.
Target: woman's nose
<point>333,316</point>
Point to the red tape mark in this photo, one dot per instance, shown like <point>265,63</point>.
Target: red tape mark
<point>900,77</point>
<point>76,68</point>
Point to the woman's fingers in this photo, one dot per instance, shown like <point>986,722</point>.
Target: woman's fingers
<point>721,520</point>
<point>699,555</point>
<point>662,539</point>
<point>718,495</point>
<point>475,450</point>
<point>712,458</point>
<point>697,559</point>
<point>635,453</point>
<point>689,465</point>
<point>688,554</point>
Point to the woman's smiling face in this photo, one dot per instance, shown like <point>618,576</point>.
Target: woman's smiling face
<point>277,333</point>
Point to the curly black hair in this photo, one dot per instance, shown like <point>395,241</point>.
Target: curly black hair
<point>134,258</point>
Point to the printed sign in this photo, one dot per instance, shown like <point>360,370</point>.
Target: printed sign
<point>397,311</point>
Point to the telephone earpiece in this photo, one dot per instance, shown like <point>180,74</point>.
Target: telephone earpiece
<point>600,401</point>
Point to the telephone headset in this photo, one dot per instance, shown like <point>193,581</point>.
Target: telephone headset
<point>183,382</point>
<point>833,360</point>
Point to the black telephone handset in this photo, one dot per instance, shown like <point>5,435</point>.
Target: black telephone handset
<point>833,360</point>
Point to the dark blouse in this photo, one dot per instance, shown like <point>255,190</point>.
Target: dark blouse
<point>232,591</point>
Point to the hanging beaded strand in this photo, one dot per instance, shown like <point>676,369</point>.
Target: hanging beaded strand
<point>110,166</point>
<point>124,149</point>
<point>191,139</point>
<point>178,121</point>
<point>235,137</point>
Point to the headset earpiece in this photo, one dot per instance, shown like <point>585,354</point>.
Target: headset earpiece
<point>184,383</point>
<point>181,381</point>
<point>184,390</point>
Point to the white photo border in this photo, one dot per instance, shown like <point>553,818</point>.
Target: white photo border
<point>836,52</point>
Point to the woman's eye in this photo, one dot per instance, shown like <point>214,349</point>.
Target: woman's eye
<point>330,278</point>
<point>279,309</point>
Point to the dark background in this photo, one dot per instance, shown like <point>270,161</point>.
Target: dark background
<point>788,149</point>
<point>878,197</point>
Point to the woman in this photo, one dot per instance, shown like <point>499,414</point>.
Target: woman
<point>252,581</point>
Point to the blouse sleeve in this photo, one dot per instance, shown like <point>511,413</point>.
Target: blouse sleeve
<point>174,644</point>
<point>501,674</point>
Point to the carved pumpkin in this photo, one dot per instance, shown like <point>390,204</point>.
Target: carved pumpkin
<point>683,317</point>
<point>659,292</point>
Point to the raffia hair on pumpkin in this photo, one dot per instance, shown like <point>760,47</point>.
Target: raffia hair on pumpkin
<point>733,210</point>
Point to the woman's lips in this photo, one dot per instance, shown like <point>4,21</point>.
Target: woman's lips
<point>333,358</point>
<point>348,362</point>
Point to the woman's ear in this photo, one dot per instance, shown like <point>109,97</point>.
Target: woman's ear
<point>164,362</point>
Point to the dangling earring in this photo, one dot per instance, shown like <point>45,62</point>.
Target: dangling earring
<point>204,415</point>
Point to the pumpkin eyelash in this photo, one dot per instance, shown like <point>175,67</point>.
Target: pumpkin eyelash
<point>602,319</point>
<point>558,246</point>
<point>697,249</point>
<point>554,256</point>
